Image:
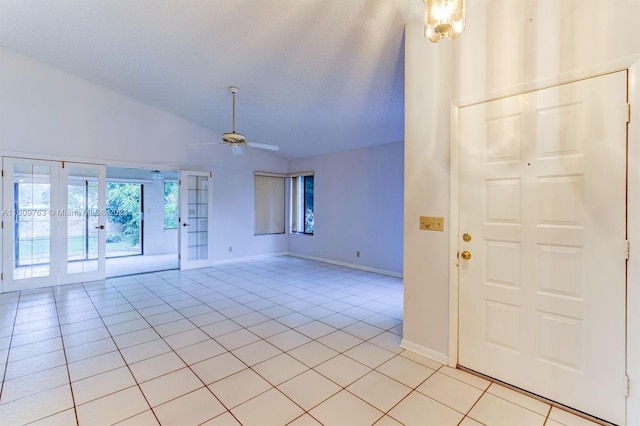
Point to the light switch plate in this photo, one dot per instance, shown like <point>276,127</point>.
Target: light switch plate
<point>432,223</point>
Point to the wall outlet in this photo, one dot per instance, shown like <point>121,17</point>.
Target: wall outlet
<point>432,223</point>
<point>230,249</point>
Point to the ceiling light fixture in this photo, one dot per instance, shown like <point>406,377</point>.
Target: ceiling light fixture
<point>444,19</point>
<point>156,175</point>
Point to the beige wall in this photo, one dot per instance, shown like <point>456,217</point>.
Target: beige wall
<point>508,45</point>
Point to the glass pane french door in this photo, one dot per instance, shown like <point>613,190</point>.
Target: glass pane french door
<point>195,213</point>
<point>82,224</point>
<point>42,212</point>
<point>29,198</point>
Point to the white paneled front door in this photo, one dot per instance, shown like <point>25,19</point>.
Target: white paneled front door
<point>542,242</point>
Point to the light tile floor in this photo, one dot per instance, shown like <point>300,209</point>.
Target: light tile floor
<point>270,342</point>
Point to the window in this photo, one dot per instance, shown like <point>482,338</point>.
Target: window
<point>302,204</point>
<point>269,203</point>
<point>170,205</point>
<point>124,219</point>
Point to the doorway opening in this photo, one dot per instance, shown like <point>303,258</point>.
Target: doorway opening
<point>140,234</point>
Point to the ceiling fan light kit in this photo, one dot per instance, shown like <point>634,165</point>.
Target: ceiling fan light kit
<point>233,138</point>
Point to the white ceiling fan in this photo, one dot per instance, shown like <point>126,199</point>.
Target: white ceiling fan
<point>237,140</point>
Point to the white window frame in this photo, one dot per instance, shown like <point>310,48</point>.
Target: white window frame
<point>296,209</point>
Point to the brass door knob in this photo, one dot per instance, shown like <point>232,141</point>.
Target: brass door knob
<point>466,255</point>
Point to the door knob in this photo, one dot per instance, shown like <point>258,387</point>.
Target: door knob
<point>466,237</point>
<point>186,224</point>
<point>466,255</point>
<point>100,227</point>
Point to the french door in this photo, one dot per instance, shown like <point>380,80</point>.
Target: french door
<point>53,223</point>
<point>82,228</point>
<point>542,268</point>
<point>196,192</point>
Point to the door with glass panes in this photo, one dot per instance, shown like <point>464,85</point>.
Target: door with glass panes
<point>195,215</point>
<point>53,223</point>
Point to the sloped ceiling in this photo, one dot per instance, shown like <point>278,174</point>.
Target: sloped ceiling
<point>315,76</point>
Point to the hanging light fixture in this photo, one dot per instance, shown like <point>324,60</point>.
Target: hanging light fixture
<point>444,19</point>
<point>156,175</point>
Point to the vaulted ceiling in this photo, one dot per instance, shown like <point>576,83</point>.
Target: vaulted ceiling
<point>315,76</point>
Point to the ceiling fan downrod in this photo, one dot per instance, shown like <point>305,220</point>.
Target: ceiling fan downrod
<point>233,90</point>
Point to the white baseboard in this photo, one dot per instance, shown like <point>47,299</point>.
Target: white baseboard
<point>425,352</point>
<point>248,258</point>
<point>348,265</point>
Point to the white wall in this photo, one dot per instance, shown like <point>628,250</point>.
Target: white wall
<point>157,240</point>
<point>509,43</point>
<point>48,113</point>
<point>428,76</point>
<point>358,207</point>
<point>508,46</point>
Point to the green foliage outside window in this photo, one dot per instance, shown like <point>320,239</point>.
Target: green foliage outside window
<point>171,205</point>
<point>123,207</point>
<point>308,205</point>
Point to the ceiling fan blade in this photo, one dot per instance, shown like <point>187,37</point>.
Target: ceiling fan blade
<point>263,146</point>
<point>236,150</point>
<point>205,143</point>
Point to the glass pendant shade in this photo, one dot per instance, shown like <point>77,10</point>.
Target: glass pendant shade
<point>444,19</point>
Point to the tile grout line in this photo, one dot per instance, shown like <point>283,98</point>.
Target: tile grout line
<point>201,290</point>
<point>313,319</point>
<point>13,327</point>
<point>414,389</point>
<point>342,388</point>
<point>284,352</point>
<point>66,361</point>
<point>547,418</point>
<point>125,361</point>
<point>176,353</point>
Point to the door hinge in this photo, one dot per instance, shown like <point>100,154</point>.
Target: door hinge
<point>626,385</point>
<point>179,257</point>
<point>2,277</point>
<point>627,249</point>
<point>628,113</point>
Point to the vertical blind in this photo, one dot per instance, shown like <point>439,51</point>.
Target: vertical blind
<point>269,203</point>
